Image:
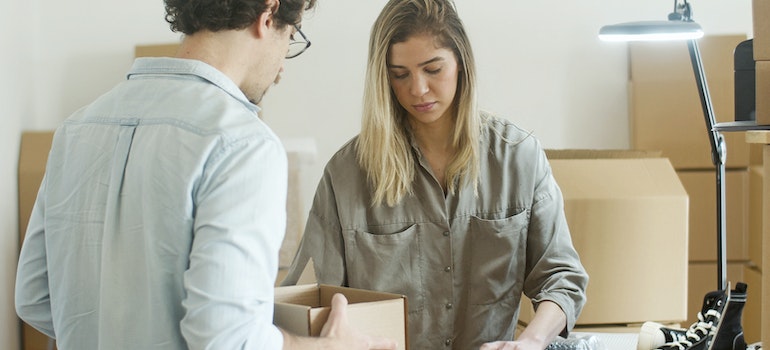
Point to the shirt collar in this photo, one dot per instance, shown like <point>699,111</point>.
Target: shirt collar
<point>196,68</point>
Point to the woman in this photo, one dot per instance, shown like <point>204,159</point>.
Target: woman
<point>454,208</point>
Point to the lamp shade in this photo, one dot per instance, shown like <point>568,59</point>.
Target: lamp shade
<point>651,31</point>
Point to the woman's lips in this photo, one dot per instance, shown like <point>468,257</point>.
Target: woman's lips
<point>424,107</point>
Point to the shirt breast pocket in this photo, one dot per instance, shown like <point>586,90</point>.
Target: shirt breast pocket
<point>388,262</point>
<point>498,260</point>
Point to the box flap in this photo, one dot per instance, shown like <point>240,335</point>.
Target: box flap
<point>292,318</point>
<point>600,153</point>
<point>354,295</point>
<point>304,294</point>
<point>616,178</point>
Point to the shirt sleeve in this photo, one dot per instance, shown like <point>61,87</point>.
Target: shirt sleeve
<point>32,295</point>
<point>239,225</point>
<point>554,270</point>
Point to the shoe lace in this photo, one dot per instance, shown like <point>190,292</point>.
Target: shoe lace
<point>697,331</point>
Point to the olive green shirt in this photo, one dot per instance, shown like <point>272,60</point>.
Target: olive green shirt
<point>463,260</point>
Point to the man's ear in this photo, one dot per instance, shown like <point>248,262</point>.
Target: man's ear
<point>273,5</point>
<point>265,19</point>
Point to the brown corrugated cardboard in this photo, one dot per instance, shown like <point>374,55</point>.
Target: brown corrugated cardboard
<point>628,219</point>
<point>670,60</point>
<point>667,116</point>
<point>765,292</point>
<point>157,50</point>
<point>701,187</point>
<point>303,310</point>
<point>762,74</point>
<point>760,10</point>
<point>752,315</point>
<point>755,155</point>
<point>664,105</point>
<point>763,138</point>
<point>33,154</point>
<point>600,153</point>
<point>756,179</point>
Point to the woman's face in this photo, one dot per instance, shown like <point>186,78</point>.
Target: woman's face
<point>423,77</point>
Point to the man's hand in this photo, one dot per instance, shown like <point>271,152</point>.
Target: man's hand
<point>337,334</point>
<point>337,327</point>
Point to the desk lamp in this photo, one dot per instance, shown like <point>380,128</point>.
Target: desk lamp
<point>680,26</point>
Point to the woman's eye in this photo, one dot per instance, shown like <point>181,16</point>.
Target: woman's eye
<point>399,76</point>
<point>433,71</point>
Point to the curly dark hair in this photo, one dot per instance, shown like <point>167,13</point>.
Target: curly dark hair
<point>191,16</point>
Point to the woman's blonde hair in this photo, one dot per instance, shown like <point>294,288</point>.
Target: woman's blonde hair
<point>383,147</point>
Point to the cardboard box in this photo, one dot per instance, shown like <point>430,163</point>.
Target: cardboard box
<point>670,60</point>
<point>755,154</point>
<point>763,138</point>
<point>752,314</point>
<point>628,220</point>
<point>756,180</point>
<point>701,188</point>
<point>760,10</point>
<point>156,50</point>
<point>762,74</point>
<point>303,310</point>
<point>664,105</point>
<point>33,155</point>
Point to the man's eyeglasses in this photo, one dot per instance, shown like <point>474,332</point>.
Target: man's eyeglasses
<point>297,46</point>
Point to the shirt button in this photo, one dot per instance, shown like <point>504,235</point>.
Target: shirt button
<point>449,306</point>
<point>448,342</point>
<point>446,233</point>
<point>448,268</point>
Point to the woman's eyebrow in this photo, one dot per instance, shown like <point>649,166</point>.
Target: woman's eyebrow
<point>434,59</point>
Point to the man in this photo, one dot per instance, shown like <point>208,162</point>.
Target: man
<point>162,210</point>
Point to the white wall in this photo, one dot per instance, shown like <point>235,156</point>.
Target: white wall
<point>13,85</point>
<point>540,65</point>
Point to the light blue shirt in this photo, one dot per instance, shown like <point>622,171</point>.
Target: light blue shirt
<point>160,218</point>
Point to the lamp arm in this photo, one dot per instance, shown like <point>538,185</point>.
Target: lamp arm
<point>718,157</point>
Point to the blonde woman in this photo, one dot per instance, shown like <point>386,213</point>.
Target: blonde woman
<point>454,208</point>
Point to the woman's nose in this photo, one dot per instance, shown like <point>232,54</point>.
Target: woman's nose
<point>419,85</point>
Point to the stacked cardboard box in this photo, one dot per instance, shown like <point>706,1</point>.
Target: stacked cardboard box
<point>666,114</point>
<point>761,26</point>
<point>33,155</point>
<point>761,16</point>
<point>627,213</point>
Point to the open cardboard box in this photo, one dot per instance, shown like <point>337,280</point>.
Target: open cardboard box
<point>303,310</point>
<point>628,215</point>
